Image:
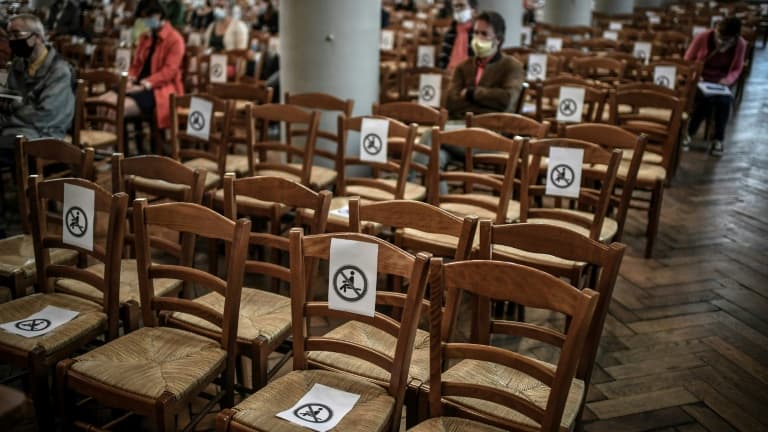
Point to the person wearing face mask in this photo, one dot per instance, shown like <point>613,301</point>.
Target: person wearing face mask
<point>268,18</point>
<point>202,16</point>
<point>42,79</point>
<point>155,71</point>
<point>456,47</point>
<point>226,32</point>
<point>174,10</point>
<point>722,52</point>
<point>64,18</point>
<point>489,81</point>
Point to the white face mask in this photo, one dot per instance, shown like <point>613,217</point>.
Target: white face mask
<point>463,16</point>
<point>219,13</point>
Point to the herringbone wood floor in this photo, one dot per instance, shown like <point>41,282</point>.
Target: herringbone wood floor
<point>685,347</point>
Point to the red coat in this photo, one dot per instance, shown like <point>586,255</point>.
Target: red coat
<point>165,70</point>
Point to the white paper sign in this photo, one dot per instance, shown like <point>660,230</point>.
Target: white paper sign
<point>342,212</point>
<point>218,68</point>
<point>273,45</point>
<point>654,19</point>
<point>387,42</point>
<point>199,120</point>
<point>426,56</point>
<point>611,35</point>
<point>665,76</point>
<point>352,276</point>
<point>715,19</point>
<point>526,35</point>
<point>194,39</point>
<point>89,49</point>
<point>3,78</point>
<point>373,140</point>
<point>430,89</point>
<point>98,24</point>
<point>409,24</point>
<point>321,409</point>
<point>764,9</point>
<point>554,44</point>
<point>537,67</point>
<point>564,172</point>
<point>696,30</point>
<point>40,323</point>
<point>615,25</point>
<point>125,37</point>
<point>642,50</point>
<point>570,104</point>
<point>79,216</point>
<point>123,59</point>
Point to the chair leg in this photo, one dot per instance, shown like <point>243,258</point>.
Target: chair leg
<point>39,390</point>
<point>259,368</point>
<point>65,402</point>
<point>654,214</point>
<point>165,420</point>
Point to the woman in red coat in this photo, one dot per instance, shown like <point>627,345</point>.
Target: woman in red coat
<point>155,71</point>
<point>722,52</point>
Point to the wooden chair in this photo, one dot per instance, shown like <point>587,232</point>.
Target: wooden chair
<point>508,124</point>
<point>659,117</point>
<point>265,317</point>
<point>95,318</point>
<point>485,385</point>
<point>305,172</point>
<point>409,83</point>
<point>603,262</point>
<point>380,403</point>
<point>17,267</point>
<point>548,101</point>
<point>157,371</point>
<point>196,152</point>
<point>598,45</point>
<point>485,194</point>
<point>602,69</point>
<point>100,124</point>
<point>632,148</point>
<point>585,214</point>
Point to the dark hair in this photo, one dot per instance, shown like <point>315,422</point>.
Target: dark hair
<point>472,4</point>
<point>730,26</point>
<point>148,8</point>
<point>496,21</point>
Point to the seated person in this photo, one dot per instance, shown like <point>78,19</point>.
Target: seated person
<point>489,81</point>
<point>722,52</point>
<point>155,71</point>
<point>64,18</point>
<point>225,32</point>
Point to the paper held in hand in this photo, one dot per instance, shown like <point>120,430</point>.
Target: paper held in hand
<point>40,323</point>
<point>321,408</point>
<point>564,172</point>
<point>78,216</point>
<point>373,140</point>
<point>714,89</point>
<point>352,276</point>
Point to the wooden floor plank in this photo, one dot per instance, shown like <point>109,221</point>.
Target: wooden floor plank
<point>641,403</point>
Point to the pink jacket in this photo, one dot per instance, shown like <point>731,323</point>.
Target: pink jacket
<point>698,51</point>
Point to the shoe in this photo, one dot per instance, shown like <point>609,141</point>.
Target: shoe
<point>717,148</point>
<point>685,145</point>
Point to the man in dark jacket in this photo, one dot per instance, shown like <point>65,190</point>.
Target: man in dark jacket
<point>456,42</point>
<point>64,18</point>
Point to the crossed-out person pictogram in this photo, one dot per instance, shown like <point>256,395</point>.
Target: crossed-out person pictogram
<point>34,324</point>
<point>76,221</point>
<point>372,144</point>
<point>196,120</point>
<point>662,81</point>
<point>350,283</point>
<point>562,176</point>
<point>428,92</point>
<point>217,70</point>
<point>314,413</point>
<point>568,107</point>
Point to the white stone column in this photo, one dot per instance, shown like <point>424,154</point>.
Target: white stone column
<point>512,11</point>
<point>567,12</point>
<point>614,7</point>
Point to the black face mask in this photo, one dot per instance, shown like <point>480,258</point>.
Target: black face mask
<point>20,47</point>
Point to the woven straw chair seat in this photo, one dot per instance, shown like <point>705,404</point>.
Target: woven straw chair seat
<point>372,337</point>
<point>17,254</point>
<point>262,314</point>
<point>534,259</point>
<point>97,138</point>
<point>153,360</point>
<point>90,317</point>
<point>336,222</point>
<point>246,202</point>
<point>513,211</point>
<point>129,284</point>
<point>413,191</point>
<point>211,177</point>
<point>608,231</point>
<point>234,163</point>
<point>370,413</point>
<point>452,424</point>
<point>515,382</point>
<point>648,174</point>
<point>319,177</point>
<point>648,156</point>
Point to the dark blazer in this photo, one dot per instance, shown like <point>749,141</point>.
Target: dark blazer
<point>69,22</point>
<point>497,91</point>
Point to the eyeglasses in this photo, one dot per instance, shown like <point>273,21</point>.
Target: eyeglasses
<point>19,35</point>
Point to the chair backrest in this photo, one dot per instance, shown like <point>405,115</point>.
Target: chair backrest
<point>290,116</point>
<point>192,220</point>
<point>598,175</point>
<point>92,113</point>
<point>412,112</point>
<point>548,100</point>
<point>41,153</point>
<point>655,114</point>
<point>508,124</point>
<point>158,176</point>
<point>391,261</point>
<point>485,281</point>
<point>632,146</point>
<point>410,78</point>
<point>106,250</point>
<point>185,146</point>
<point>400,141</point>
<point>599,68</point>
<point>253,93</point>
<point>603,260</point>
<point>507,151</point>
<point>415,215</point>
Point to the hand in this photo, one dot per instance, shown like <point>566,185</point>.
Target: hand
<point>463,93</point>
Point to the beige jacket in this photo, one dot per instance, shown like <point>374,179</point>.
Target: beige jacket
<point>235,37</point>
